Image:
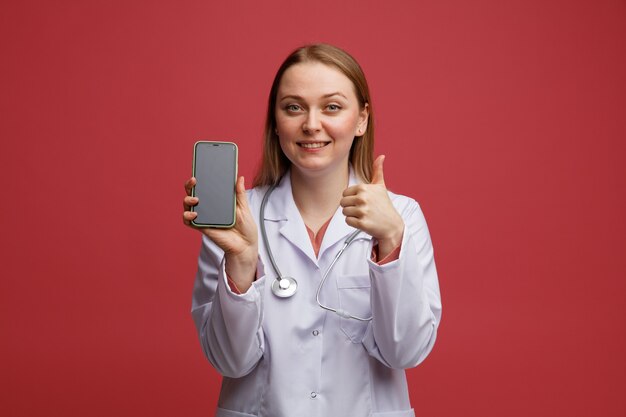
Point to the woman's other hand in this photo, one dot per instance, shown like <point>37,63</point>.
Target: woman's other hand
<point>368,208</point>
<point>239,243</point>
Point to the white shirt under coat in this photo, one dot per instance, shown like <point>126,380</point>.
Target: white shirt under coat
<point>289,357</point>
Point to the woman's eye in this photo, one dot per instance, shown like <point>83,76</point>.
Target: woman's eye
<point>333,107</point>
<point>292,107</point>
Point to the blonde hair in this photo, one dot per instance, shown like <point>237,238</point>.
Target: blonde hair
<point>274,163</point>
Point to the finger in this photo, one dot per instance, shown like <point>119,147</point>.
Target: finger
<point>377,171</point>
<point>189,201</point>
<point>353,200</point>
<point>191,182</point>
<point>188,216</point>
<point>353,222</point>
<point>352,190</point>
<point>355,212</point>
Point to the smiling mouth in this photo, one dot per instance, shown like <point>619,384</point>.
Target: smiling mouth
<point>313,145</point>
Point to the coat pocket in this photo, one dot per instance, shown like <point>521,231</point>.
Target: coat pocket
<point>354,299</point>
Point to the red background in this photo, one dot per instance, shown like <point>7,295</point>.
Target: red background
<point>505,119</point>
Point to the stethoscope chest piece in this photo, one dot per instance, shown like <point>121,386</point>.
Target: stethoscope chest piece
<point>284,287</point>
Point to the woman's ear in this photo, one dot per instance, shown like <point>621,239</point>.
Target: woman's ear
<point>361,126</point>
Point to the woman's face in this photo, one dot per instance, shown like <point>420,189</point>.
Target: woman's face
<point>317,117</point>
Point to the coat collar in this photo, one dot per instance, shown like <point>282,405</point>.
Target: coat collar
<point>282,208</point>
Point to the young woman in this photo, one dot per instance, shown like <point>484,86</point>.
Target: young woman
<point>298,323</point>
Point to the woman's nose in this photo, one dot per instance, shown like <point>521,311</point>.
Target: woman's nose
<point>312,123</point>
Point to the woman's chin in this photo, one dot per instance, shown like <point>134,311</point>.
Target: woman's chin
<point>318,168</point>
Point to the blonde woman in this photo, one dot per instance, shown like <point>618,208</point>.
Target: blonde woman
<point>301,322</point>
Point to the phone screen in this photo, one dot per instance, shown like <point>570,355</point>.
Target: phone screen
<point>215,169</point>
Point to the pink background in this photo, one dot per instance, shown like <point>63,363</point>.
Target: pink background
<point>506,120</point>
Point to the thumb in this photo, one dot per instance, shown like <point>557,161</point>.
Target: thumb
<point>377,171</point>
<point>240,189</point>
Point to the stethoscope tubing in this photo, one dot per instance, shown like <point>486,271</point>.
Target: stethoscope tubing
<point>266,197</point>
<point>283,289</point>
<point>338,311</point>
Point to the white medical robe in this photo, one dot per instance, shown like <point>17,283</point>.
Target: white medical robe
<point>289,357</point>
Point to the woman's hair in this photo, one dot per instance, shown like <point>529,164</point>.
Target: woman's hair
<point>274,163</point>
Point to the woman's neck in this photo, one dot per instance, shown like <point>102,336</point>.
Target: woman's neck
<point>317,197</point>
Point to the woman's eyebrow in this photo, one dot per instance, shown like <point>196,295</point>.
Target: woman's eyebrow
<point>334,94</point>
<point>297,97</point>
<point>291,96</point>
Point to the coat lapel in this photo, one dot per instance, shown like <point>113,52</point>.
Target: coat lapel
<point>282,208</point>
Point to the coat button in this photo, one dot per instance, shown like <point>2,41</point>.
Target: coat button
<point>313,394</point>
<point>316,332</point>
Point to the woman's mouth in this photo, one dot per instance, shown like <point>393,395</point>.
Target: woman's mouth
<point>312,145</point>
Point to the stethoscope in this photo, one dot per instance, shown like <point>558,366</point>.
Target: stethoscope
<point>285,287</point>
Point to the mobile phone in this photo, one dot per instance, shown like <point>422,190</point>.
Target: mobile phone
<point>215,169</point>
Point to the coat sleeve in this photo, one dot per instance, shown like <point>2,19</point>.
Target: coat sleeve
<point>405,297</point>
<point>228,324</point>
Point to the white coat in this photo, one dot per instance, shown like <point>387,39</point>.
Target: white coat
<point>289,357</point>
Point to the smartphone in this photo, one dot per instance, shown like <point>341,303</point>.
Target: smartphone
<point>215,169</point>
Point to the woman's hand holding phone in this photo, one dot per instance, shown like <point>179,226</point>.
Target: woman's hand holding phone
<point>239,243</point>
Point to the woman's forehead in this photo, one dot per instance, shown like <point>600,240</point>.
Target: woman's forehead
<point>314,80</point>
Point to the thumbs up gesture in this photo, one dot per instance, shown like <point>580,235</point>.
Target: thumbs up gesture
<point>369,208</point>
